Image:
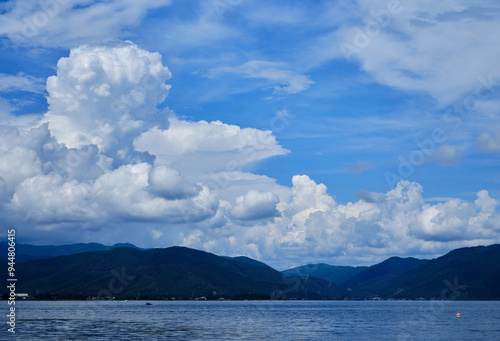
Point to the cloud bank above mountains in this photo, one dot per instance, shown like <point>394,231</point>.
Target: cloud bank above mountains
<point>104,162</point>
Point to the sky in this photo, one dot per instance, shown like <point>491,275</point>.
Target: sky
<point>292,132</point>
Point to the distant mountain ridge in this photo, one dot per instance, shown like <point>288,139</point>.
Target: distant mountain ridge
<point>25,252</point>
<point>333,273</point>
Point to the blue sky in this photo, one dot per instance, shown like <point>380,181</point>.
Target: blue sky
<point>287,131</point>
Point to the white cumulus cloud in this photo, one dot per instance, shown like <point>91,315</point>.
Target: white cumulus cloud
<point>102,93</point>
<point>103,157</point>
<point>208,146</point>
<point>255,205</point>
<point>312,227</point>
<point>104,163</point>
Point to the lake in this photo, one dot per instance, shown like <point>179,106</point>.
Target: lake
<point>255,320</point>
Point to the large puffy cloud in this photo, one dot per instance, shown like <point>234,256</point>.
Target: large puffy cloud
<point>104,165</point>
<point>49,199</point>
<point>312,227</point>
<point>37,153</point>
<point>102,94</point>
<point>309,195</point>
<point>17,164</point>
<point>78,170</point>
<point>45,183</point>
<point>135,200</point>
<point>208,146</point>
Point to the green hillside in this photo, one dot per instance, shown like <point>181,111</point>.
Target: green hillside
<point>171,272</point>
<point>377,278</point>
<point>125,272</point>
<point>466,273</point>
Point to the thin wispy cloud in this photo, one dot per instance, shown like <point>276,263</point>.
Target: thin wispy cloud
<point>360,166</point>
<point>21,82</point>
<point>276,75</point>
<point>70,23</point>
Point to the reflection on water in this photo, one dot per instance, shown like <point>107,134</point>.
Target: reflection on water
<point>256,320</point>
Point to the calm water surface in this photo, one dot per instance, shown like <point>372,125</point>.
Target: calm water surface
<point>260,320</point>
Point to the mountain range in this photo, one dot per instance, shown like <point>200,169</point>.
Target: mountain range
<point>125,271</point>
<point>162,273</point>
<point>471,273</point>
